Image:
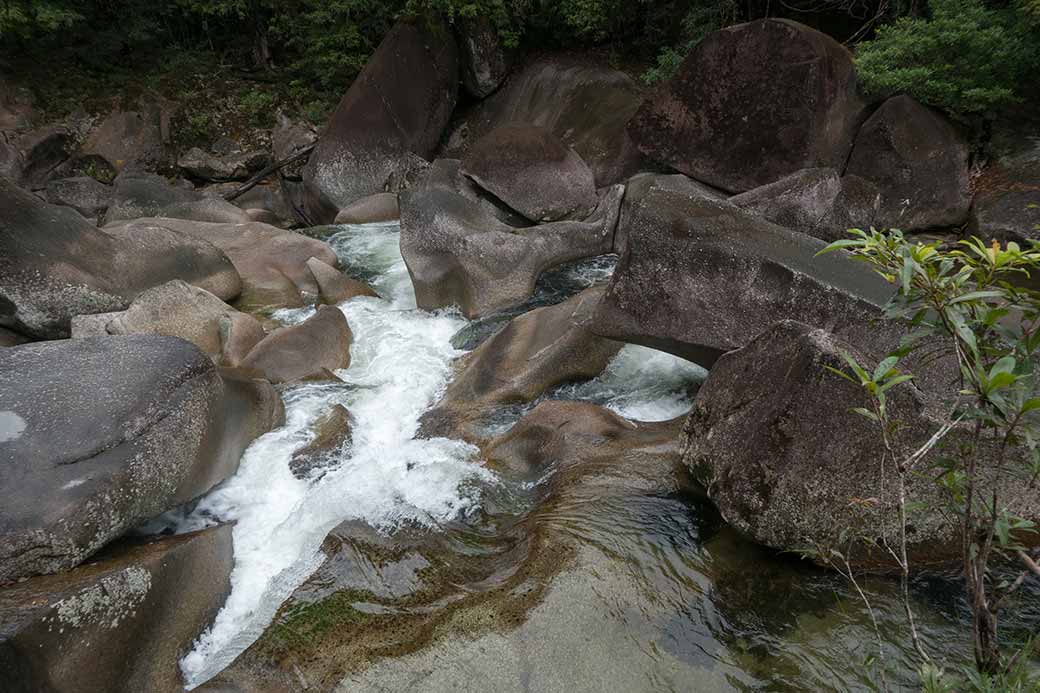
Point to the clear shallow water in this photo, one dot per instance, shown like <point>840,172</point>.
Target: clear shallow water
<point>677,594</point>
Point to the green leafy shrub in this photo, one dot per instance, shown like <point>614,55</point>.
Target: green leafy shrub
<point>967,58</point>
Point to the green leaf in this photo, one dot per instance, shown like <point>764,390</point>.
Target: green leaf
<point>976,295</point>
<point>844,243</point>
<point>885,366</point>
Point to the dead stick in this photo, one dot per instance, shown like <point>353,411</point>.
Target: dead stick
<point>251,183</point>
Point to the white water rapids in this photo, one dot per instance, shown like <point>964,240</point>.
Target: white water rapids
<point>400,363</point>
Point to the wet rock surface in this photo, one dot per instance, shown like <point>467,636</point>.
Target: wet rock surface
<point>309,350</point>
<point>104,433</point>
<point>753,103</point>
<point>332,431</point>
<point>55,265</point>
<point>119,623</point>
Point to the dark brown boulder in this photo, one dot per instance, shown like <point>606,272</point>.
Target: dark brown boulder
<point>319,344</point>
<point>126,137</point>
<point>700,277</point>
<point>753,103</point>
<point>461,251</point>
<point>773,438</point>
<point>585,104</point>
<point>533,172</point>
<point>101,434</point>
<point>1007,201</point>
<point>336,287</point>
<point>395,110</point>
<point>484,60</point>
<point>919,162</point>
<point>118,624</point>
<point>54,265</point>
<point>534,353</point>
<point>37,154</point>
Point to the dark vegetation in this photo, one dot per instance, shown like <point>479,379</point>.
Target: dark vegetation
<point>240,60</point>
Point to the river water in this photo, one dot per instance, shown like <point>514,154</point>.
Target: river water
<point>691,590</point>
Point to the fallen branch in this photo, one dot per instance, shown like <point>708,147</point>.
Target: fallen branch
<point>251,183</point>
<point>1030,563</point>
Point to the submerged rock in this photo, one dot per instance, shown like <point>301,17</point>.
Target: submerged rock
<point>773,437</point>
<point>332,431</point>
<point>394,111</point>
<point>533,172</point>
<point>753,103</point>
<point>319,344</point>
<point>460,251</point>
<point>106,432</point>
<point>534,353</point>
<point>55,265</point>
<point>118,624</point>
<point>919,162</point>
<point>584,104</point>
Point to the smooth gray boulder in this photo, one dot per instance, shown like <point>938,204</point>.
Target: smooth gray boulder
<point>103,433</point>
<point>55,265</point>
<point>137,195</point>
<point>393,113</point>
<point>371,209</point>
<point>773,438</point>
<point>84,194</point>
<point>461,251</point>
<point>700,277</point>
<point>272,262</point>
<point>119,624</point>
<point>533,172</point>
<point>534,353</point>
<point>753,103</point>
<point>584,103</point>
<point>815,201</point>
<point>919,162</point>
<point>173,309</point>
<point>310,350</point>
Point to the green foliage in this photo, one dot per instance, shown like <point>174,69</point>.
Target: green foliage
<point>699,21</point>
<point>967,58</point>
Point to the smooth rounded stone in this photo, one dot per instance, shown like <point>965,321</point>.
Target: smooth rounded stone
<point>395,111</point>
<point>534,353</point>
<point>138,195</point>
<point>334,286</point>
<point>272,262</point>
<point>753,103</point>
<point>773,438</point>
<point>371,209</point>
<point>118,624</point>
<point>919,162</point>
<point>700,277</point>
<point>55,265</point>
<point>33,157</point>
<point>460,252</point>
<point>174,309</point>
<point>1007,201</point>
<point>111,432</point>
<point>239,333</point>
<point>235,165</point>
<point>332,431</point>
<point>533,172</point>
<point>815,201</point>
<point>484,61</point>
<point>584,103</point>
<point>636,189</point>
<point>127,137</point>
<point>264,202</point>
<point>319,344</point>
<point>84,194</point>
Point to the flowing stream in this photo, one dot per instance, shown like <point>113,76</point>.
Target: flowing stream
<point>691,595</point>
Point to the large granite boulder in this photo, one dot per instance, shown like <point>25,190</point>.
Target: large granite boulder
<point>235,165</point>
<point>137,195</point>
<point>753,103</point>
<point>372,209</point>
<point>103,433</point>
<point>125,138</point>
<point>533,172</point>
<point>272,262</point>
<point>118,624</point>
<point>919,162</point>
<point>84,194</point>
<point>310,350</point>
<point>700,277</point>
<point>531,355</point>
<point>394,111</point>
<point>32,157</point>
<point>54,265</point>
<point>484,60</point>
<point>334,286</point>
<point>773,438</point>
<point>174,309</point>
<point>461,251</point>
<point>585,104</point>
<point>1007,202</point>
<point>815,201</point>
